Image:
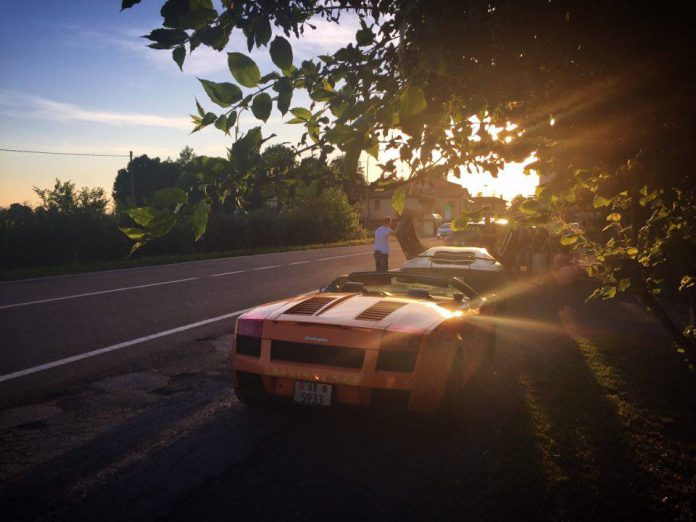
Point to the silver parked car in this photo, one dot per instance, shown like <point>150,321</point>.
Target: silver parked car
<point>473,265</point>
<point>444,230</point>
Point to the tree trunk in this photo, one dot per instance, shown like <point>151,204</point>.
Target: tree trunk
<point>643,293</point>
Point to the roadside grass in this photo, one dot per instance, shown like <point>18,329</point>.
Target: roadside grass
<point>613,410</point>
<point>77,268</point>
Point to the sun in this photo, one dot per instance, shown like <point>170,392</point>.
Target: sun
<point>511,181</point>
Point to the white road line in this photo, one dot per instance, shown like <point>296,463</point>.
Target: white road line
<point>114,347</point>
<point>101,292</point>
<point>229,273</point>
<point>151,267</point>
<point>123,289</point>
<point>347,255</point>
<point>125,344</point>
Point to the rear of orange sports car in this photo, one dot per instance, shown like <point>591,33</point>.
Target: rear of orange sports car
<point>350,348</point>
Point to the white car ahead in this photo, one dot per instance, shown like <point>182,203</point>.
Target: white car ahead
<point>473,265</point>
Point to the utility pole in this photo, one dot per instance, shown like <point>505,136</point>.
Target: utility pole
<point>130,175</point>
<point>367,184</point>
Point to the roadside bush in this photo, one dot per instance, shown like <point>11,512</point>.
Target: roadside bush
<point>73,227</point>
<point>321,217</point>
<point>70,227</point>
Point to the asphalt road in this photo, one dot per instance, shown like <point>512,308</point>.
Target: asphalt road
<point>153,431</point>
<point>57,329</point>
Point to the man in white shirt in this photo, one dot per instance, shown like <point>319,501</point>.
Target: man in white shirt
<point>381,250</point>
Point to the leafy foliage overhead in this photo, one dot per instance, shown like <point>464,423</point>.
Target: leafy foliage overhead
<point>453,87</point>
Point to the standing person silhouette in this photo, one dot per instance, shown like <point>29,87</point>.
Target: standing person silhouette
<point>381,249</point>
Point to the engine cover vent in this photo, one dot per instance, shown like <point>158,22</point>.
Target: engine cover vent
<point>310,306</point>
<point>380,310</point>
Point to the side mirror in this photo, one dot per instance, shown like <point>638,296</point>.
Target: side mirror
<point>323,289</point>
<point>459,297</point>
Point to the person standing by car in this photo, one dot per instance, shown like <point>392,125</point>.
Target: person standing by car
<point>381,249</point>
<point>540,251</point>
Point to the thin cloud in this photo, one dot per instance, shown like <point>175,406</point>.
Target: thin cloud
<point>325,39</point>
<point>27,106</point>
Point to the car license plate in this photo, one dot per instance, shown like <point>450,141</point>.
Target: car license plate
<point>313,393</point>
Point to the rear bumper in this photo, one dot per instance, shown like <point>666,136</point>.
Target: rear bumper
<point>281,388</point>
<point>421,390</point>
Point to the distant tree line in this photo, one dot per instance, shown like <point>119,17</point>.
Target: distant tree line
<point>290,202</point>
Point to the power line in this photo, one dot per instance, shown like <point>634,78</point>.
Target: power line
<point>66,153</point>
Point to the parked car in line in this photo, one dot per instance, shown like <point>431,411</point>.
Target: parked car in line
<point>473,265</point>
<point>444,230</point>
<point>393,339</point>
<point>480,234</point>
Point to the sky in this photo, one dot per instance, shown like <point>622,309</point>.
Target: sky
<point>76,77</point>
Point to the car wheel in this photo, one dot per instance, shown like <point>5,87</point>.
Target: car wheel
<point>250,390</point>
<point>249,398</point>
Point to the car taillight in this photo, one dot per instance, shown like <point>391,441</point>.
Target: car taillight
<point>250,327</point>
<point>393,340</point>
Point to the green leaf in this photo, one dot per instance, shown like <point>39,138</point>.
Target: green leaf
<point>137,245</point>
<point>126,4</point>
<point>301,113</point>
<point>411,102</point>
<point>632,251</point>
<point>161,225</point>
<point>142,215</point>
<point>199,107</point>
<point>373,149</point>
<point>399,200</point>
<point>614,216</point>
<point>624,284</point>
<point>167,38</point>
<point>209,118</point>
<point>608,292</point>
<point>570,239</point>
<point>188,14</point>
<point>530,207</point>
<point>687,281</point>
<point>340,134</point>
<point>262,30</point>
<point>281,53</point>
<point>170,196</point>
<point>247,147</point>
<point>221,123</point>
<point>199,218</point>
<point>216,37</point>
<point>179,55</point>
<point>364,37</point>
<point>136,234</point>
<point>282,85</point>
<point>321,94</point>
<point>284,99</point>
<point>224,94</point>
<point>244,69</point>
<point>600,201</point>
<point>261,106</point>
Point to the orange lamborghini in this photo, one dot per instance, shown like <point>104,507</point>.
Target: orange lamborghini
<point>389,339</point>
